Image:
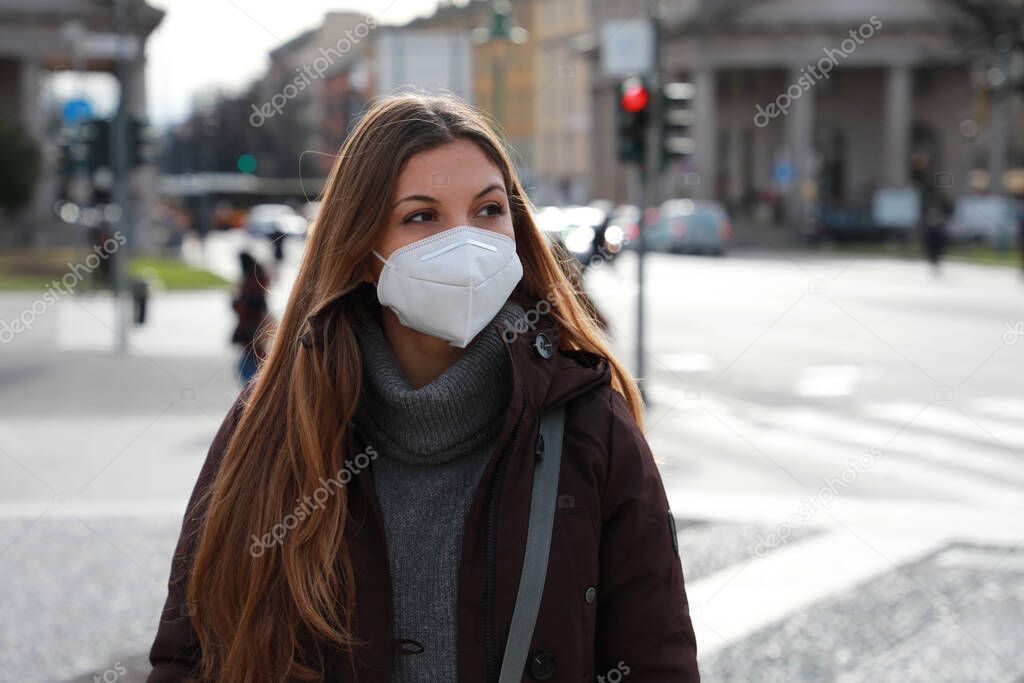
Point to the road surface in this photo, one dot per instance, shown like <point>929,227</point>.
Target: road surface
<point>841,440</point>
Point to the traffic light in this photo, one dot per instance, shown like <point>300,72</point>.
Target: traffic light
<point>631,119</point>
<point>95,138</point>
<point>677,118</point>
<point>140,143</point>
<point>94,135</point>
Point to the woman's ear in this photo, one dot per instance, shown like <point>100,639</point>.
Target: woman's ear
<point>371,271</point>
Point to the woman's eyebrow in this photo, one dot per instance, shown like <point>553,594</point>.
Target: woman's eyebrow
<point>492,186</point>
<point>417,198</point>
<point>433,200</point>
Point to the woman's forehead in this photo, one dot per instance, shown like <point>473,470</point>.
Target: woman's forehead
<point>460,165</point>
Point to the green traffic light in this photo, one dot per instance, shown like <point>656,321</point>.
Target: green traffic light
<point>247,163</point>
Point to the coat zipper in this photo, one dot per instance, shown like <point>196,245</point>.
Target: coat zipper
<point>490,556</point>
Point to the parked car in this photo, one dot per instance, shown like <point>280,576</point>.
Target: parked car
<point>274,221</point>
<point>690,226</point>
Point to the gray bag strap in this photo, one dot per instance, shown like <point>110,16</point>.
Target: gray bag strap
<point>538,545</point>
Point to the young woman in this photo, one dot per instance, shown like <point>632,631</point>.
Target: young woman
<point>363,510</point>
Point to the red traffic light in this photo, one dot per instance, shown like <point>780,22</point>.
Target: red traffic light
<point>634,97</point>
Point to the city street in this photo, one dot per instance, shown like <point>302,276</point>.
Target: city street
<point>869,413</point>
<point>840,438</point>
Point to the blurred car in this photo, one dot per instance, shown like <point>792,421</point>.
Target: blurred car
<point>690,226</point>
<point>891,214</point>
<point>583,231</point>
<point>896,208</point>
<point>227,217</point>
<point>585,234</point>
<point>274,221</point>
<point>550,220</point>
<point>623,225</point>
<point>992,219</point>
<point>310,211</point>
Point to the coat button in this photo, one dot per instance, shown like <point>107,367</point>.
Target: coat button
<point>543,346</point>
<point>542,666</point>
<point>590,595</point>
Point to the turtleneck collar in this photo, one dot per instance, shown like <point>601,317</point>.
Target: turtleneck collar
<point>457,413</point>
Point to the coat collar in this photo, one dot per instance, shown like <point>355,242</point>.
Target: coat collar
<point>548,374</point>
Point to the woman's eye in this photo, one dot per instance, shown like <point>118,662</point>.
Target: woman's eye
<point>419,217</point>
<point>493,210</point>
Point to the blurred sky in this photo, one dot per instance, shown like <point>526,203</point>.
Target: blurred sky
<point>205,44</point>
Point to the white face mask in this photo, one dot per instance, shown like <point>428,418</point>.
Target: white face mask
<point>450,285</point>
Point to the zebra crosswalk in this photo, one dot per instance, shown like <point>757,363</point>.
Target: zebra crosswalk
<point>881,484</point>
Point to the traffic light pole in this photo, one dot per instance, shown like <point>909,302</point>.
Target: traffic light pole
<point>649,182</point>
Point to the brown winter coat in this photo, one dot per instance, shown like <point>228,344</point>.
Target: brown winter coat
<point>612,534</point>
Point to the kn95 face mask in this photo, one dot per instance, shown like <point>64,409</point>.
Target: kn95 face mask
<point>450,285</point>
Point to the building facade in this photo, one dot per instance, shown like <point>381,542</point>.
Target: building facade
<point>562,113</point>
<point>822,101</point>
<point>61,36</point>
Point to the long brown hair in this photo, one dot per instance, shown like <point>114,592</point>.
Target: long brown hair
<point>255,614</point>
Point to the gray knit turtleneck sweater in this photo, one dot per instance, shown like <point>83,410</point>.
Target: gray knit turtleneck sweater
<point>434,444</point>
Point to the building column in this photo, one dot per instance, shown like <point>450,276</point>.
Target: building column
<point>799,152</point>
<point>899,111</point>
<point>1000,124</point>
<point>705,132</point>
<point>143,194</point>
<point>28,96</point>
<point>39,209</point>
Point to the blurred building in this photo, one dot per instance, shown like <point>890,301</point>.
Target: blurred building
<point>276,140</point>
<point>423,59</point>
<point>313,88</point>
<point>504,61</point>
<point>875,94</point>
<point>562,111</point>
<point>60,36</point>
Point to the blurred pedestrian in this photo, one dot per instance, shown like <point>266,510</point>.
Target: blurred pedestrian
<point>936,209</point>
<point>100,236</point>
<point>413,406</point>
<point>250,304</point>
<point>1020,242</point>
<point>277,239</point>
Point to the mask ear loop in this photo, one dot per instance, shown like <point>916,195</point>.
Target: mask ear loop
<point>469,313</point>
<point>383,261</point>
